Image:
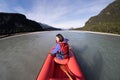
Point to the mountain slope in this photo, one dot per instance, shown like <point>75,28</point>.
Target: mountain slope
<point>107,21</point>
<point>11,23</point>
<point>48,28</point>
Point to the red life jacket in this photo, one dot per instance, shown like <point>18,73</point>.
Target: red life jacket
<point>64,48</point>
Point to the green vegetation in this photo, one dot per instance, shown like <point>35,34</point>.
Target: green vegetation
<point>11,23</point>
<point>107,21</point>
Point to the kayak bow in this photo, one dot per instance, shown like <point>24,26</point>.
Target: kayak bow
<point>54,71</point>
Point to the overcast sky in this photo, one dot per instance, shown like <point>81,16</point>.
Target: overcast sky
<point>57,13</point>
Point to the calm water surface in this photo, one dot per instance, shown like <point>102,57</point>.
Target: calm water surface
<point>21,57</point>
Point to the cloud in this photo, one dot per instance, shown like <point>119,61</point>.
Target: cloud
<point>58,13</point>
<point>65,14</point>
<point>47,13</point>
<point>20,9</point>
<point>4,6</point>
<point>70,24</point>
<point>94,7</point>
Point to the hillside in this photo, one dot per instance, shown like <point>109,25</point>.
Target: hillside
<point>11,23</point>
<point>108,20</point>
<point>48,28</point>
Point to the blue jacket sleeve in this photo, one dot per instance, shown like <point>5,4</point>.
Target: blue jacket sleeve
<point>57,48</point>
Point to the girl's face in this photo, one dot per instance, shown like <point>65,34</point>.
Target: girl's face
<point>57,39</point>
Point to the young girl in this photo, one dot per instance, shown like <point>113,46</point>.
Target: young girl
<point>61,49</point>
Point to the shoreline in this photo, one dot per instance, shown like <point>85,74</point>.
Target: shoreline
<point>102,33</point>
<point>20,34</point>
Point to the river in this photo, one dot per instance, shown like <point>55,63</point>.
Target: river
<point>22,56</point>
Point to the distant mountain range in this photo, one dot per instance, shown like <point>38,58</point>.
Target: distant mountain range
<point>11,23</point>
<point>108,20</point>
<point>48,28</point>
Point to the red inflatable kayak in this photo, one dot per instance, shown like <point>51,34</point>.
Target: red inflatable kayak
<point>67,70</point>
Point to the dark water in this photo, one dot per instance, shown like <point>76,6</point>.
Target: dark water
<point>21,57</point>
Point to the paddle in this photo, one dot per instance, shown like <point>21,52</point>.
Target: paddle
<point>64,70</point>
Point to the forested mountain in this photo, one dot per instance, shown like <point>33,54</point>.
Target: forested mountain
<point>108,20</point>
<point>11,23</point>
<point>48,28</point>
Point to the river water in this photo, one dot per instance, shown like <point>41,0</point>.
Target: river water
<point>98,55</point>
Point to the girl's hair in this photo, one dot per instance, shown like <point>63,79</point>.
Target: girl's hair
<point>60,37</point>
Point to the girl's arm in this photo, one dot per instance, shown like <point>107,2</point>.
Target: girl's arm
<point>57,48</point>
